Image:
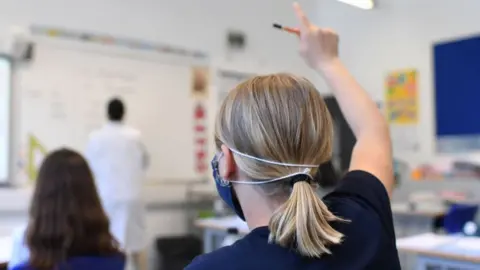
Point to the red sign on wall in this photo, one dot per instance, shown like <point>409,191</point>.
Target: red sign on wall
<point>200,138</point>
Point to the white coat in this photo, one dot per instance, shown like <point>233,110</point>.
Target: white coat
<point>118,160</point>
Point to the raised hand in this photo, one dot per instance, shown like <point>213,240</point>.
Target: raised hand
<point>318,46</point>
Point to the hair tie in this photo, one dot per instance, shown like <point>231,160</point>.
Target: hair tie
<point>300,178</point>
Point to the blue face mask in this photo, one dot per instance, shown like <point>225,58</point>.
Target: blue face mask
<point>225,188</point>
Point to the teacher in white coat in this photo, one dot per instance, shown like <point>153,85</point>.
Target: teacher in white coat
<point>119,159</point>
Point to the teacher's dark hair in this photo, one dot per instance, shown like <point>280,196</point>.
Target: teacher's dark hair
<point>115,110</point>
<point>66,217</point>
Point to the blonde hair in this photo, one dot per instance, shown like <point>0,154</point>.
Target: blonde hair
<point>283,118</point>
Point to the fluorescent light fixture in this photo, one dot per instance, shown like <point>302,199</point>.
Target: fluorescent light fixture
<point>363,4</point>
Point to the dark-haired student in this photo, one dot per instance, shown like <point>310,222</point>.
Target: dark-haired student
<point>67,227</point>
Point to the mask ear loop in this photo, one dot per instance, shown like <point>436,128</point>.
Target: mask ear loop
<point>305,172</point>
<point>271,161</point>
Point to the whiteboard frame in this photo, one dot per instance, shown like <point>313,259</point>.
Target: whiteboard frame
<point>132,54</point>
<point>11,133</point>
<point>116,51</point>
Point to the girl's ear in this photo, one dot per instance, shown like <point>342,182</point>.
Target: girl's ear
<point>227,165</point>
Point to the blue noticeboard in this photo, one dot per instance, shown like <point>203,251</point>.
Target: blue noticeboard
<point>457,94</point>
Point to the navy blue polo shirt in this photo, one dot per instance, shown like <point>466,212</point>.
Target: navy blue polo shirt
<point>369,236</point>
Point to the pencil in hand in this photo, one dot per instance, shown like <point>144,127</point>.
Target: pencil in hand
<point>287,29</point>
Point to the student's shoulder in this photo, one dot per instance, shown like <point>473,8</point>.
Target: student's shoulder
<point>361,194</point>
<point>361,188</point>
<point>356,213</point>
<point>218,259</point>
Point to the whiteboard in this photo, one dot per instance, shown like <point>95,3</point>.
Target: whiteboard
<point>5,109</point>
<point>64,92</point>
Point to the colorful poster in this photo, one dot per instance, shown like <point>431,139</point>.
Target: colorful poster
<point>401,97</point>
<point>199,89</point>
<point>200,82</point>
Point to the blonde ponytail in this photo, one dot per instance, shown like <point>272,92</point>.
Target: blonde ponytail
<point>302,222</point>
<point>283,118</point>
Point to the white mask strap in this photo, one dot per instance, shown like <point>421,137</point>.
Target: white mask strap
<point>274,162</point>
<point>305,172</point>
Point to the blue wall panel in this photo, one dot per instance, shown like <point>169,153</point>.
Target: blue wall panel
<point>457,87</point>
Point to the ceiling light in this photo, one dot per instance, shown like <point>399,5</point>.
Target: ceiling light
<point>363,4</point>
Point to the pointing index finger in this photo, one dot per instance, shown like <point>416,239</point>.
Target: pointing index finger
<point>305,23</point>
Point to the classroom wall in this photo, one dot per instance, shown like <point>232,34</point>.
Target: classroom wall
<point>188,23</point>
<point>399,34</point>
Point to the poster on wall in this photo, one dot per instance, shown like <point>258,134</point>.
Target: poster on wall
<point>200,138</point>
<point>402,110</point>
<point>200,82</point>
<point>199,89</point>
<point>401,97</point>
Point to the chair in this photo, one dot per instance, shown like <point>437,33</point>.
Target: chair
<point>457,216</point>
<point>176,252</point>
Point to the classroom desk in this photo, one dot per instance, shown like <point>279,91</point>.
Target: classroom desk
<point>215,229</point>
<point>442,252</point>
<point>410,222</point>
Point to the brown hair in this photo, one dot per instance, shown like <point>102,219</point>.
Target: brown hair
<point>66,216</point>
<point>283,118</point>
